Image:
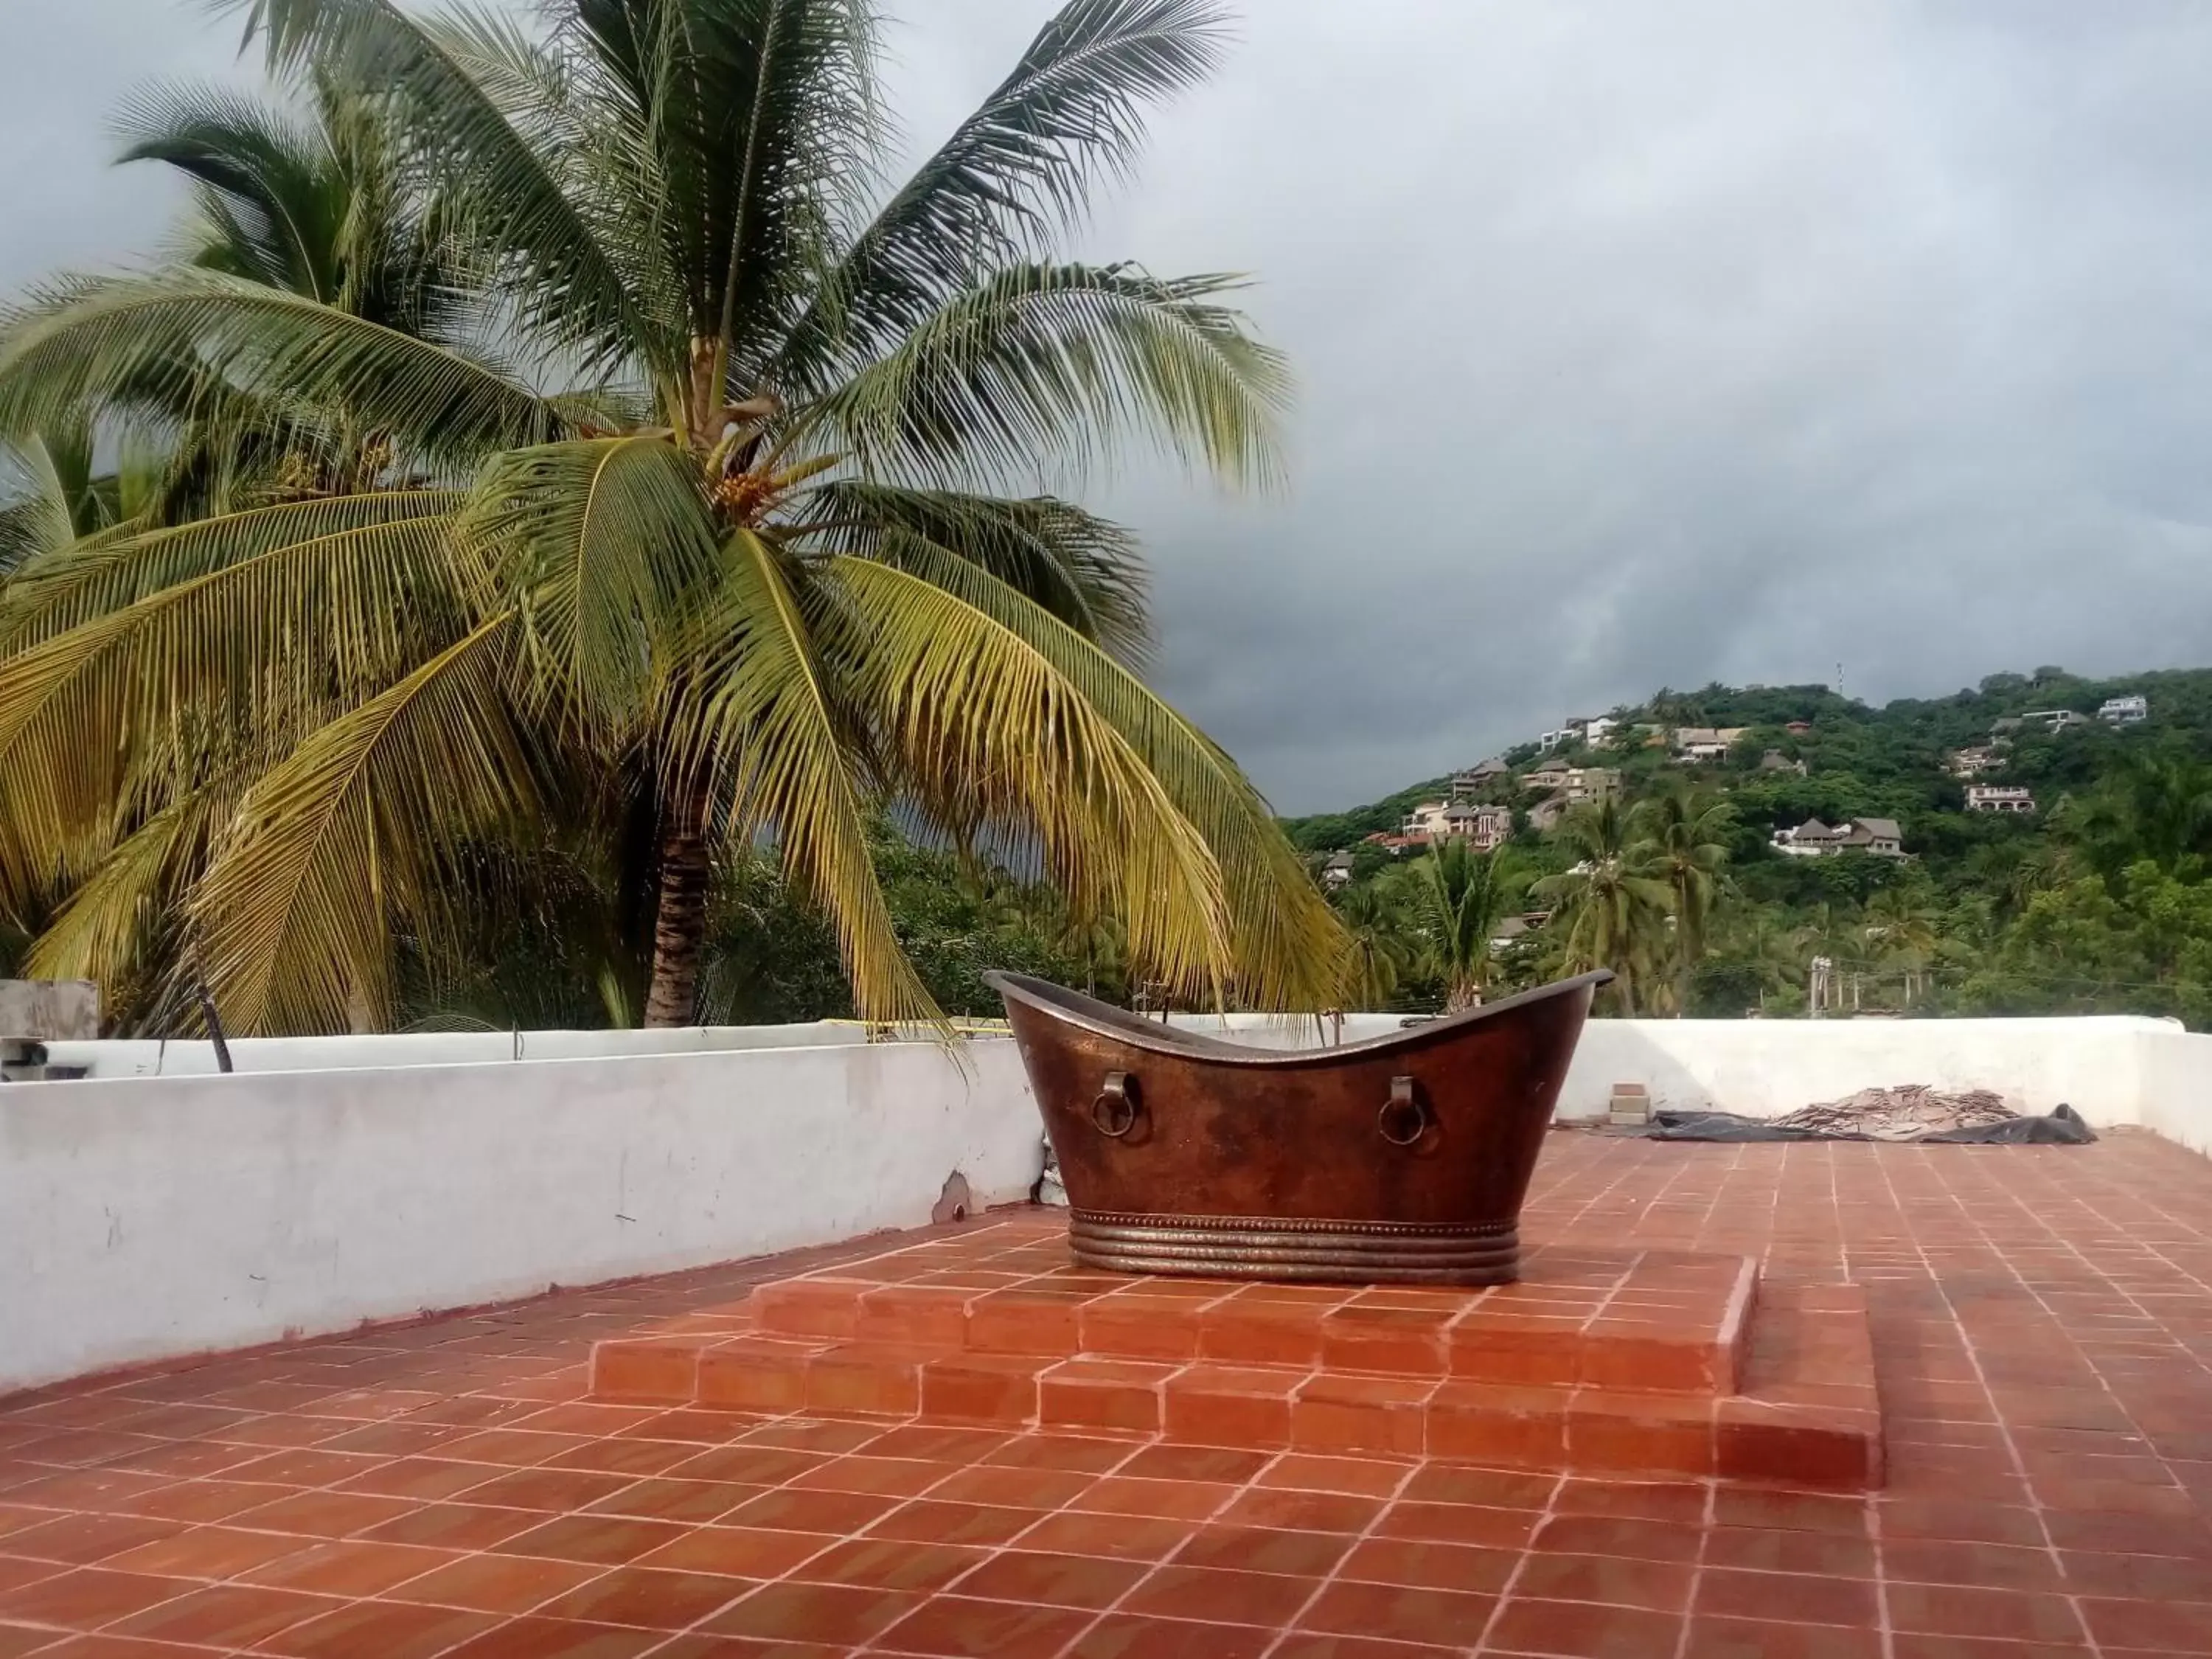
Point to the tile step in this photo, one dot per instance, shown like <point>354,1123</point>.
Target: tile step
<point>1779,1388</point>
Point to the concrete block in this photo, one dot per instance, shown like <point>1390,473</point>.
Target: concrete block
<point>49,1010</point>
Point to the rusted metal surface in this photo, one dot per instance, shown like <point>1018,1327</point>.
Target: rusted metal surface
<point>1403,1158</point>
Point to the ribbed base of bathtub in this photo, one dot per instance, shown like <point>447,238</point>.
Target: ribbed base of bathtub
<point>1309,1252</point>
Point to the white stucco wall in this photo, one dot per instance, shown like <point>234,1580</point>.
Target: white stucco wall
<point>147,1217</point>
<point>195,1057</point>
<point>141,1219</point>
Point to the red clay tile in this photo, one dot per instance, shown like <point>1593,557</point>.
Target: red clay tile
<point>1581,1629</point>
<point>1130,1326</point>
<point>834,1614</point>
<point>1399,1341</point>
<point>828,1307</point>
<point>966,1629</point>
<point>609,1539</point>
<point>836,1513</point>
<point>1231,1406</point>
<point>496,1583</point>
<point>1731,1592</point>
<point>86,1598</point>
<point>1399,1613</point>
<point>754,1374</point>
<point>659,1598</point>
<point>560,1638</point>
<point>934,1521</point>
<point>1128,1636</point>
<point>1747,1639</point>
<point>1110,1537</point>
<point>225,1616</point>
<point>926,1316</point>
<point>1426,1564</point>
<point>1051,1579</point>
<point>1958,1610</point>
<point>1252,1331</point>
<point>734,1552</point>
<point>1020,1321</point>
<point>1615,1580</point>
<point>389,1630</point>
<point>1335,1412</point>
<point>454,1526</point>
<point>1120,1395</point>
<point>1518,1427</point>
<point>981,1387</point>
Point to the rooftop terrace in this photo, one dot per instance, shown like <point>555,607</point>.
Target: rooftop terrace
<point>2041,1323</point>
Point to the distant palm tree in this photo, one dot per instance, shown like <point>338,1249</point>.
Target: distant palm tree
<point>1614,907</point>
<point>1379,953</point>
<point>752,569</point>
<point>1460,897</point>
<point>1901,935</point>
<point>1683,835</point>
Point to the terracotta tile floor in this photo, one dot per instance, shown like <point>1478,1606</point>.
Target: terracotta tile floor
<point>2042,1334</point>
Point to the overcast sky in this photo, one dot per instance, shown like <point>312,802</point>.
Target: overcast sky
<point>1638,344</point>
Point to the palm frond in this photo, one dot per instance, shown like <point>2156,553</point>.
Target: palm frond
<point>122,711</point>
<point>989,730</point>
<point>597,543</point>
<point>104,930</point>
<point>295,918</point>
<point>44,492</point>
<point>272,192</point>
<point>1014,173</point>
<point>94,575</point>
<point>499,178</point>
<point>1087,571</point>
<point>92,344</point>
<point>1287,949</point>
<point>755,705</point>
<point>1039,364</point>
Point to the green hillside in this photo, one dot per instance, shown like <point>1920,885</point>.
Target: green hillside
<point>2097,902</point>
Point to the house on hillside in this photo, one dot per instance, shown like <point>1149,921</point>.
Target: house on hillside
<point>1480,776</point>
<point>2051,720</point>
<point>1973,762</point>
<point>1337,871</point>
<point>1397,844</point>
<point>1590,783</point>
<point>1999,797</point>
<point>1546,814</point>
<point>2124,711</point>
<point>1812,839</point>
<point>1775,761</point>
<point>1511,930</point>
<point>1798,728</point>
<point>1551,775</point>
<point>1699,744</point>
<point>1484,827</point>
<point>1427,820</point>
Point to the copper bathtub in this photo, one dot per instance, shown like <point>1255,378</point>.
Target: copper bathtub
<point>1404,1158</point>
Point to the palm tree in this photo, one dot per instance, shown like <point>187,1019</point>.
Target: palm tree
<point>1379,954</point>
<point>746,567</point>
<point>1460,896</point>
<point>1614,908</point>
<point>1684,844</point>
<point>1900,933</point>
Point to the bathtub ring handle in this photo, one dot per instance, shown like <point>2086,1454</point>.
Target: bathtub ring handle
<point>1115,1112</point>
<point>1404,1116</point>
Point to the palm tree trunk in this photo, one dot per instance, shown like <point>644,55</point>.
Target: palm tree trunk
<point>679,923</point>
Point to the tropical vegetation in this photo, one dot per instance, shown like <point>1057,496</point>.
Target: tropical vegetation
<point>2098,902</point>
<point>559,509</point>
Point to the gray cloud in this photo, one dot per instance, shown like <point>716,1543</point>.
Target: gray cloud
<point>1638,344</point>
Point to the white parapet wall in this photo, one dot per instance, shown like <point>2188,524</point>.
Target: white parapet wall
<point>145,1217</point>
<point>142,1219</point>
